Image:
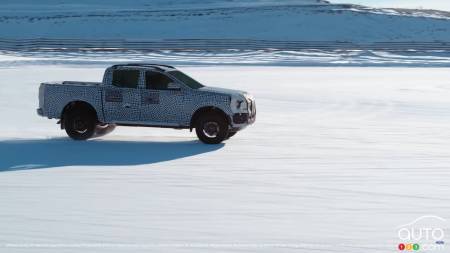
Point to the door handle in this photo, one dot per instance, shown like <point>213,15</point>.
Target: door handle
<point>126,105</point>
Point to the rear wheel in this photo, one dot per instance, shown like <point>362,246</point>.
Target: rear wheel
<point>80,124</point>
<point>211,129</point>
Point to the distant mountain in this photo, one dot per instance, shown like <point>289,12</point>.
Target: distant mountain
<point>288,20</point>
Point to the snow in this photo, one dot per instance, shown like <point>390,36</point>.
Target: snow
<point>337,159</point>
<point>264,20</point>
<point>301,57</point>
<point>100,5</point>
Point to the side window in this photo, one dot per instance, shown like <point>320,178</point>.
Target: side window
<point>157,81</point>
<point>125,78</point>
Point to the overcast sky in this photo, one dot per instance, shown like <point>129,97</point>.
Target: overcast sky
<point>427,4</point>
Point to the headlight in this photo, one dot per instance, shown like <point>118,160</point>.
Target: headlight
<point>241,104</point>
<point>238,104</point>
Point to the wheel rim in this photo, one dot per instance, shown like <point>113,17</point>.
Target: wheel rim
<point>211,129</point>
<point>80,125</point>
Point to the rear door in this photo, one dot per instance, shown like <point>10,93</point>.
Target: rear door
<point>122,98</point>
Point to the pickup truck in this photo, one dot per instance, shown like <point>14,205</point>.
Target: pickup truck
<point>150,95</point>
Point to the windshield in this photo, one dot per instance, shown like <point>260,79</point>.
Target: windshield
<point>186,79</point>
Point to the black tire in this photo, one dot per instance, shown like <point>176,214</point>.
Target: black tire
<point>211,128</point>
<point>231,134</point>
<point>103,129</point>
<point>80,123</point>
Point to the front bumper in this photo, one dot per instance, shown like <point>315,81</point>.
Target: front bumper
<point>240,118</point>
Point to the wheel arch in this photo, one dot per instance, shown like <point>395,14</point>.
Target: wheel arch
<point>77,104</point>
<point>205,110</point>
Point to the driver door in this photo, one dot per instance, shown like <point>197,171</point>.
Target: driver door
<point>162,100</point>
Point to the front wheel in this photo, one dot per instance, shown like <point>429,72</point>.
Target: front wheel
<point>211,129</point>
<point>230,134</point>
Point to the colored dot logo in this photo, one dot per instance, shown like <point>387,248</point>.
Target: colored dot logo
<point>408,247</point>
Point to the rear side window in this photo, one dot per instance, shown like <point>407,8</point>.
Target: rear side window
<point>126,78</point>
<point>156,81</point>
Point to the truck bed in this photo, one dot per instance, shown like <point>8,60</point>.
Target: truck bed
<point>54,96</point>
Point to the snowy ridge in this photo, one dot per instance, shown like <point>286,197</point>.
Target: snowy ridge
<point>55,6</point>
<point>223,52</point>
<point>290,32</point>
<point>209,44</point>
<point>261,20</point>
<point>307,57</point>
<point>437,14</point>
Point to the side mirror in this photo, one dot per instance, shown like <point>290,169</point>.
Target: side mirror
<point>173,86</point>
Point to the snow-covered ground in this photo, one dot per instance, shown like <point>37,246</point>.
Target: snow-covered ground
<point>337,159</point>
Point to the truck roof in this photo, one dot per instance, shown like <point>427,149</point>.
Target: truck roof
<point>161,67</point>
